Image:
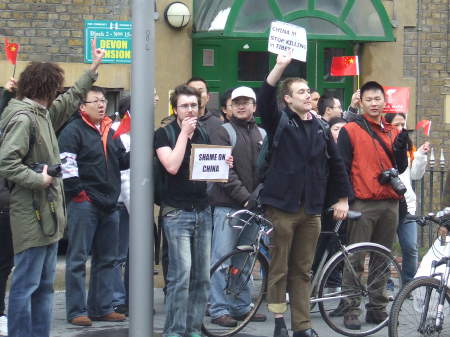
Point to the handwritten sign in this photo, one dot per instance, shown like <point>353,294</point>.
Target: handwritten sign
<point>208,163</point>
<point>397,99</point>
<point>285,37</point>
<point>113,36</point>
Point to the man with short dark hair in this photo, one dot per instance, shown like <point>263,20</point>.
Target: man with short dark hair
<point>37,211</point>
<point>92,161</point>
<point>370,148</point>
<point>209,119</point>
<point>304,162</point>
<point>329,107</point>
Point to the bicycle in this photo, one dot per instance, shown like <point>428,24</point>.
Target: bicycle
<point>246,269</point>
<point>422,305</point>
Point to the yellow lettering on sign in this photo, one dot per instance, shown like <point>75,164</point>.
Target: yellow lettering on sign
<point>114,44</point>
<point>117,54</point>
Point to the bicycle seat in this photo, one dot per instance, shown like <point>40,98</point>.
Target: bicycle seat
<point>353,215</point>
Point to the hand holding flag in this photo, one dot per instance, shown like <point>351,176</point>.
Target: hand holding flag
<point>426,125</point>
<point>345,66</point>
<point>124,126</point>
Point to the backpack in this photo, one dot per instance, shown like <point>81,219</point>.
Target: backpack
<point>232,133</point>
<point>159,172</point>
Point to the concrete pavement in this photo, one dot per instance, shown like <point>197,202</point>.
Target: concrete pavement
<point>103,329</point>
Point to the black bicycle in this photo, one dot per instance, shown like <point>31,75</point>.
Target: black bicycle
<point>245,270</point>
<point>422,308</point>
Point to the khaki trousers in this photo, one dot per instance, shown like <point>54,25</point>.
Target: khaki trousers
<point>377,224</point>
<point>292,250</point>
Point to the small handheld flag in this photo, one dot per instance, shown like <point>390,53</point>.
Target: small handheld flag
<point>426,125</point>
<point>11,51</point>
<point>124,126</point>
<point>345,66</point>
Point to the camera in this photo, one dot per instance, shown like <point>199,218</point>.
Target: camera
<point>52,170</point>
<point>390,176</point>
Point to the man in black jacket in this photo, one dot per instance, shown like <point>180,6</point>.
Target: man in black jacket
<point>303,163</point>
<point>92,160</point>
<point>246,138</point>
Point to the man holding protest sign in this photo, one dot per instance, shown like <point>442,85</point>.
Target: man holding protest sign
<point>246,138</point>
<point>303,162</point>
<point>186,218</point>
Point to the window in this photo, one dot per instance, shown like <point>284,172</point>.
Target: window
<point>253,66</point>
<point>254,16</point>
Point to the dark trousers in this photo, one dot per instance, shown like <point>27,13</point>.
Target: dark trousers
<point>6,255</point>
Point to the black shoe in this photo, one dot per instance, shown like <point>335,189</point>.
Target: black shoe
<point>305,333</point>
<point>225,321</point>
<point>281,332</point>
<point>376,316</point>
<point>121,309</point>
<point>352,322</point>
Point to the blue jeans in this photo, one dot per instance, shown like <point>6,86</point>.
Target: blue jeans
<point>119,281</point>
<point>188,236</point>
<point>407,236</point>
<point>90,230</point>
<point>31,295</point>
<point>224,240</point>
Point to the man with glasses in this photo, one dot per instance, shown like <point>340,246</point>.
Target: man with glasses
<point>186,218</point>
<point>91,163</point>
<point>246,138</point>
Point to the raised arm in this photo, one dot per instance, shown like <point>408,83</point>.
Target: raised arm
<point>66,104</point>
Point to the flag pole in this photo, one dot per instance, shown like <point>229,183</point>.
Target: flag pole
<point>14,71</point>
<point>357,82</point>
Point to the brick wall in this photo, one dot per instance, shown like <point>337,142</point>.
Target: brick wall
<point>427,58</point>
<point>52,30</point>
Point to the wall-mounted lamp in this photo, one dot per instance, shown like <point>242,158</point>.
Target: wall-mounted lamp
<point>177,15</point>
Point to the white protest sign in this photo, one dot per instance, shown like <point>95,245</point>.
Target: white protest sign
<point>208,162</point>
<point>285,37</point>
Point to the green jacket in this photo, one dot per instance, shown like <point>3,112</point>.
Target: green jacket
<point>28,198</point>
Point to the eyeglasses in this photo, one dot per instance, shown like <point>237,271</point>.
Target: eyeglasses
<point>98,101</point>
<point>243,104</point>
<point>193,106</point>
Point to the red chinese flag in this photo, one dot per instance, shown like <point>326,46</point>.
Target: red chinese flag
<point>11,51</point>
<point>124,126</point>
<point>426,125</point>
<point>344,66</point>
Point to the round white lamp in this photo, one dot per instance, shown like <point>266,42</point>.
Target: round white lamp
<point>177,15</point>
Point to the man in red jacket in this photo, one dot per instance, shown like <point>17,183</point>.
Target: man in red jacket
<point>374,152</point>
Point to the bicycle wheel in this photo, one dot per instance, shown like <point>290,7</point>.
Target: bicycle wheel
<point>415,309</point>
<point>241,277</point>
<point>347,280</point>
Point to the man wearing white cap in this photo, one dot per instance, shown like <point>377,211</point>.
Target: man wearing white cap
<point>246,138</point>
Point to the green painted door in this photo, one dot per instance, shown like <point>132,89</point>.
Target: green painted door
<point>231,62</point>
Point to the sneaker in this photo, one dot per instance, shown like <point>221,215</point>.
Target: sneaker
<point>225,321</point>
<point>3,325</point>
<point>81,321</point>
<point>352,322</point>
<point>111,317</point>
<point>376,316</point>
<point>256,317</point>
